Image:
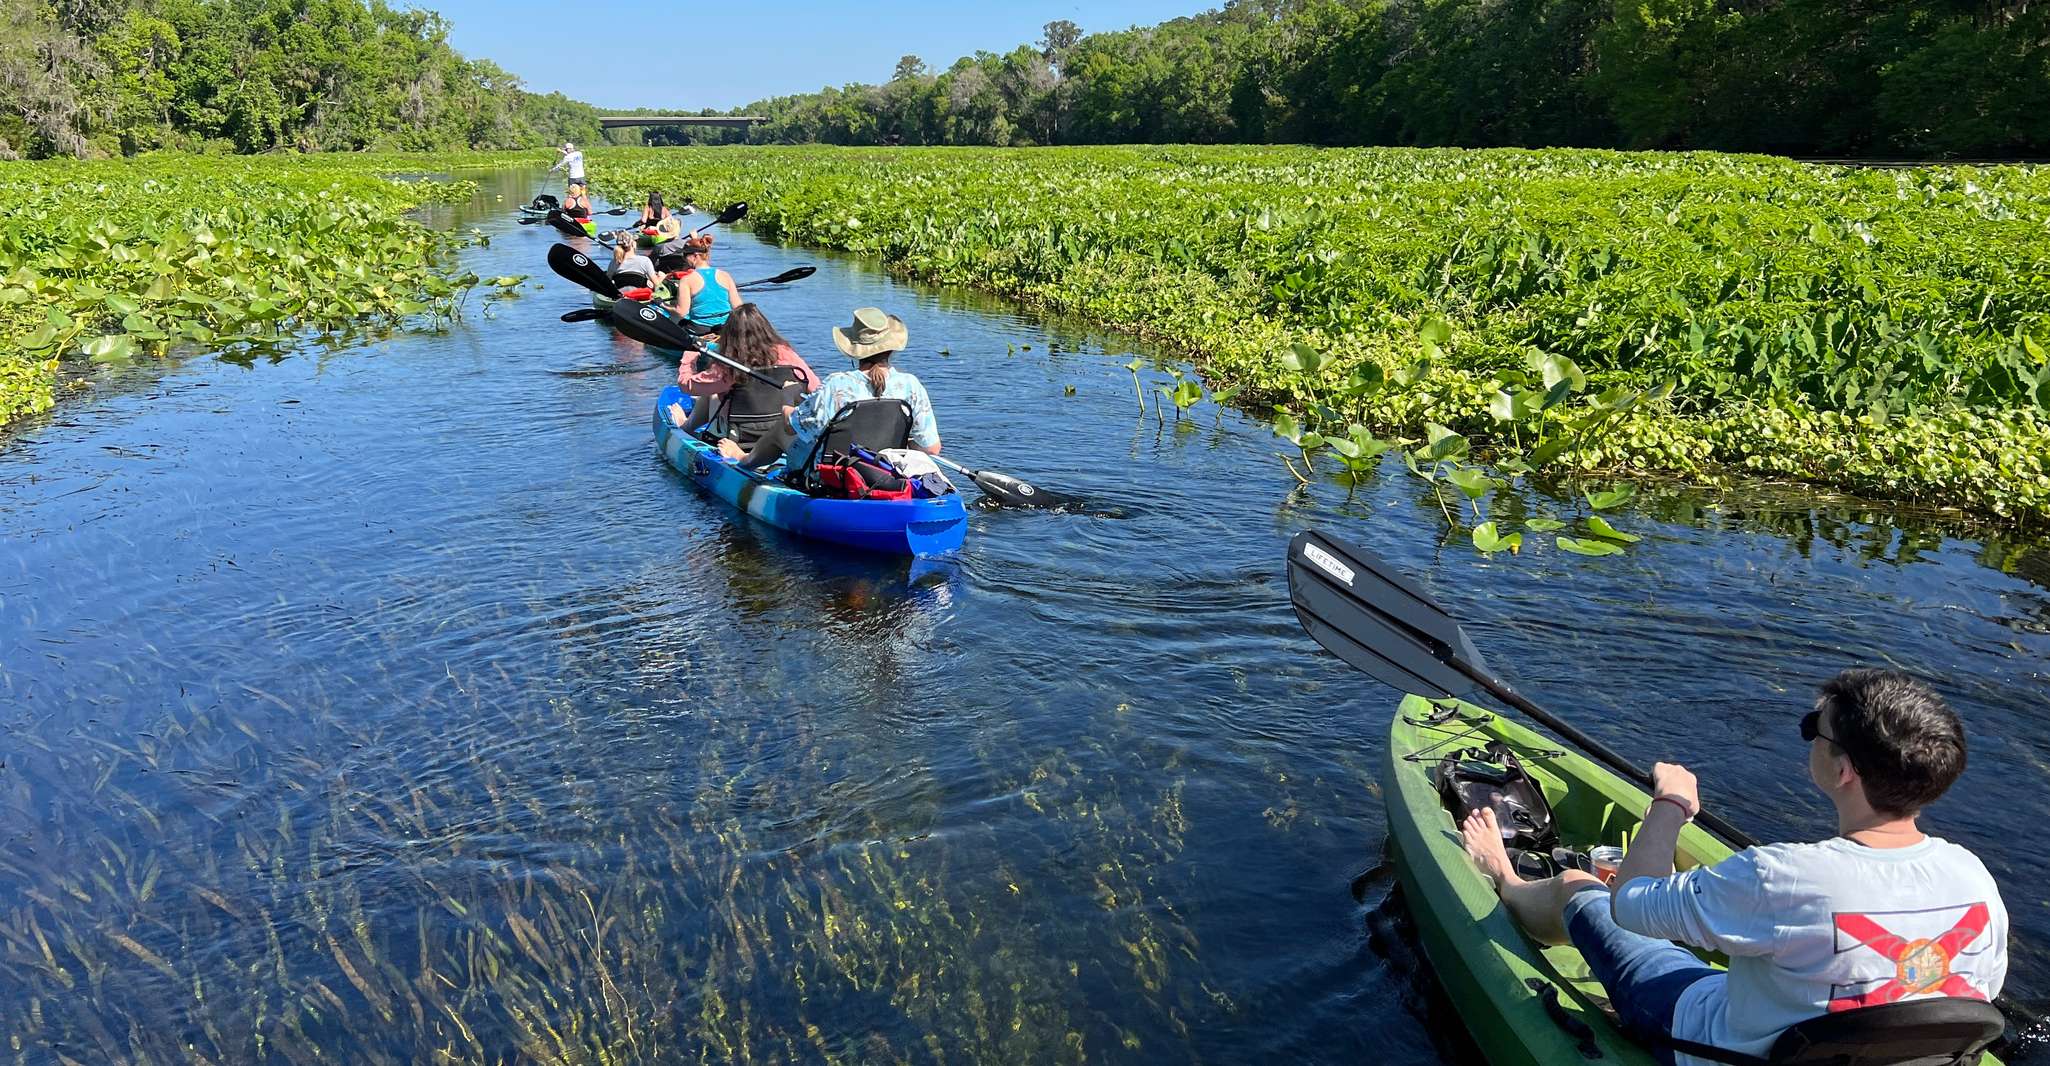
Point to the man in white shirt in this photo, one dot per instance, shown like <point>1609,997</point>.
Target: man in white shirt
<point>1877,914</point>
<point>574,160</point>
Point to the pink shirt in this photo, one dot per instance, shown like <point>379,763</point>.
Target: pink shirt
<point>717,379</point>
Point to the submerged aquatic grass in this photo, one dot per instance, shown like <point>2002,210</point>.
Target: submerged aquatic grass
<point>518,868</point>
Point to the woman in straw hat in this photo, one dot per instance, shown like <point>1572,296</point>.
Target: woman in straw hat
<point>870,340</point>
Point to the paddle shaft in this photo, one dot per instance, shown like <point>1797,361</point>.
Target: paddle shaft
<point>954,466</point>
<point>763,378</point>
<point>1708,819</point>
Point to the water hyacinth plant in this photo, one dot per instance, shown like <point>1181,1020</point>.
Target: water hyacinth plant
<point>114,261</point>
<point>1872,331</point>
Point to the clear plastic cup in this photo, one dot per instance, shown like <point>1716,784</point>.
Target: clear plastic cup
<point>1606,860</point>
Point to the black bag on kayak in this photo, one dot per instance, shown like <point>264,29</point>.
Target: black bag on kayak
<point>1473,778</point>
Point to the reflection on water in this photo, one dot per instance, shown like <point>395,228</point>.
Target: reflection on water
<point>400,704</point>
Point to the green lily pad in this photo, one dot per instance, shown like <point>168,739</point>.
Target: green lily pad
<point>1487,539</point>
<point>1601,528</point>
<point>1587,547</point>
<point>1610,498</point>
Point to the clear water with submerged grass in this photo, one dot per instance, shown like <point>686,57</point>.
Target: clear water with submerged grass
<point>399,704</point>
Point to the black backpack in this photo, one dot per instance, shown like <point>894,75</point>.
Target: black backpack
<point>1494,777</point>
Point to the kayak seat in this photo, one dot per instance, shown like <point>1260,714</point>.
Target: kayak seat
<point>1939,1031</point>
<point>872,424</point>
<point>753,407</point>
<point>630,279</point>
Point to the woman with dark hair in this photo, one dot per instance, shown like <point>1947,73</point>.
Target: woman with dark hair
<point>746,405</point>
<point>655,211</point>
<point>870,340</point>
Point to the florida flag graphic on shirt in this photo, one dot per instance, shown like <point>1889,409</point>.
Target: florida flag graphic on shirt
<point>1923,947</point>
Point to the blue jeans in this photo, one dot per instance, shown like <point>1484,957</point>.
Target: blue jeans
<point>1644,976</point>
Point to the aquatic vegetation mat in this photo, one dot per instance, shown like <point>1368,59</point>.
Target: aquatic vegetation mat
<point>1883,332</point>
<point>114,261</point>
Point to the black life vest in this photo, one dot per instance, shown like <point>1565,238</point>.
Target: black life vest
<point>752,407</point>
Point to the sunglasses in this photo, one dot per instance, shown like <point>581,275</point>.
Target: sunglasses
<point>1811,727</point>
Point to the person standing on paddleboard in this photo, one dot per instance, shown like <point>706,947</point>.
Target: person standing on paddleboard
<point>1880,913</point>
<point>574,160</point>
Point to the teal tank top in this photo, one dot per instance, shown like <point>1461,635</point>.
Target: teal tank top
<point>710,305</point>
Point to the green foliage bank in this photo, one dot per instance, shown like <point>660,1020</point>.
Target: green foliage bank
<point>1830,77</point>
<point>112,261</point>
<point>1879,332</point>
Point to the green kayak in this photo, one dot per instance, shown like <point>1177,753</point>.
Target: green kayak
<point>1480,955</point>
<point>1495,974</point>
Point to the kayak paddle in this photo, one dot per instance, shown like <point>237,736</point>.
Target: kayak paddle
<point>734,212</point>
<point>576,267</point>
<point>785,278</point>
<point>1007,490</point>
<point>1365,612</point>
<point>645,322</point>
<point>593,314</point>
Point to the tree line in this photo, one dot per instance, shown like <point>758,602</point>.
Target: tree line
<point>1816,77</point>
<point>116,77</point>
<point>1827,77</point>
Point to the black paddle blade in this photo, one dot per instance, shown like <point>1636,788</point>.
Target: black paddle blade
<point>784,278</point>
<point>733,213</point>
<point>1011,492</point>
<point>1361,610</point>
<point>642,322</point>
<point>586,314</point>
<point>577,268</point>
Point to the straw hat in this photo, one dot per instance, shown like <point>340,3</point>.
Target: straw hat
<point>873,332</point>
<point>668,229</point>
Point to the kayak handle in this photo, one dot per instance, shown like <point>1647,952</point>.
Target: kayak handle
<point>1580,1031</point>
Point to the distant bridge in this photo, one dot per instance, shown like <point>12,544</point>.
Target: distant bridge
<point>613,122</point>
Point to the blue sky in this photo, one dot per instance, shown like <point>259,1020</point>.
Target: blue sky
<point>750,51</point>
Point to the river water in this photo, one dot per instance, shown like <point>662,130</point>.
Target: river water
<point>397,701</point>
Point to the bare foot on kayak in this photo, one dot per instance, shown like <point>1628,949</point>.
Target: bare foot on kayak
<point>1482,836</point>
<point>730,450</point>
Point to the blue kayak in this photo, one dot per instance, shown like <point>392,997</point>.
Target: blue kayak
<point>899,527</point>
